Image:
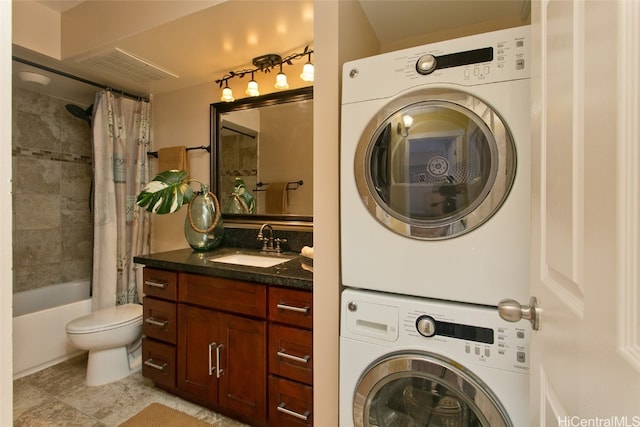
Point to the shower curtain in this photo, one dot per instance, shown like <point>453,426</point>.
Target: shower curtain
<point>121,129</point>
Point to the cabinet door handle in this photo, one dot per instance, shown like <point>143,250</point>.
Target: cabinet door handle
<point>154,322</point>
<point>154,284</point>
<point>283,306</point>
<point>219,371</point>
<point>282,408</point>
<point>152,364</point>
<point>211,368</point>
<point>285,355</point>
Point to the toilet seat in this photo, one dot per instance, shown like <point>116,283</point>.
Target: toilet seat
<point>106,319</point>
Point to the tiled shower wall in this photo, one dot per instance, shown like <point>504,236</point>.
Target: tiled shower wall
<point>52,226</point>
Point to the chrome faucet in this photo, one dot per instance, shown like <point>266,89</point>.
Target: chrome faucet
<point>268,242</point>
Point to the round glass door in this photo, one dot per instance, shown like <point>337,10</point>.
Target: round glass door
<point>411,390</point>
<point>435,164</point>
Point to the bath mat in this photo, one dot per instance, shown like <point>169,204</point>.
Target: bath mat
<point>157,415</point>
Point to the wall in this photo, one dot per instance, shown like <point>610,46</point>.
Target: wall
<point>6,324</point>
<point>482,27</point>
<point>52,227</point>
<point>40,29</point>
<point>180,118</point>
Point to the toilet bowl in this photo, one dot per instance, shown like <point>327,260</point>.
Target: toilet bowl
<point>113,337</point>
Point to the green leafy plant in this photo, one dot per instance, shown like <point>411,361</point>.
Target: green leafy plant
<point>166,193</point>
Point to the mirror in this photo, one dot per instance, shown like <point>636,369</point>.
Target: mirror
<point>264,146</point>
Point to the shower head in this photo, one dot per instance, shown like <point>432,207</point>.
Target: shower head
<point>81,113</point>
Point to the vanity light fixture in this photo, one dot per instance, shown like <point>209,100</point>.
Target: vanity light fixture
<point>281,80</point>
<point>227,94</point>
<point>307,71</point>
<point>252,87</point>
<point>265,64</point>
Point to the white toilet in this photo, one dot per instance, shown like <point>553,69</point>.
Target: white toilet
<point>113,337</point>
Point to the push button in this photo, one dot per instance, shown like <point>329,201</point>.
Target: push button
<point>521,357</point>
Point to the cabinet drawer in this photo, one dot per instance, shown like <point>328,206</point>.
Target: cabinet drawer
<point>231,295</point>
<point>159,319</point>
<point>290,403</point>
<point>290,353</point>
<point>291,306</point>
<point>160,284</point>
<point>159,362</point>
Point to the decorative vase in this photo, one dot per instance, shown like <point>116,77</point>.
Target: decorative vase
<point>240,201</point>
<point>203,227</point>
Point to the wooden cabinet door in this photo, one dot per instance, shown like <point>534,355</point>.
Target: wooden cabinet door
<point>243,387</point>
<point>197,346</point>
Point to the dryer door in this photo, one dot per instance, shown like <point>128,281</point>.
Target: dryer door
<point>435,164</point>
<point>423,389</point>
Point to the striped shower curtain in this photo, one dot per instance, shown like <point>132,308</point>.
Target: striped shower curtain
<point>121,130</point>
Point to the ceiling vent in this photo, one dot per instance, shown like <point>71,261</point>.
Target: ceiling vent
<point>117,62</point>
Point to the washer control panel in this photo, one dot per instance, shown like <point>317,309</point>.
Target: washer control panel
<point>464,332</point>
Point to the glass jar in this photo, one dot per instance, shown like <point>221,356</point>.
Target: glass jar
<point>203,227</point>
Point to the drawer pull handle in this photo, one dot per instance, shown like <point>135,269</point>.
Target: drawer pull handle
<point>152,364</point>
<point>283,306</point>
<point>212,368</point>
<point>154,322</point>
<point>282,408</point>
<point>154,284</point>
<point>220,371</point>
<point>304,359</point>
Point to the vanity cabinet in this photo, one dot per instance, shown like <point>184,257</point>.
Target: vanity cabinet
<point>290,357</point>
<point>159,327</point>
<point>242,348</point>
<point>222,354</point>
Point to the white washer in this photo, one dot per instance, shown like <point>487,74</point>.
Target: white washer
<point>435,177</point>
<point>407,361</point>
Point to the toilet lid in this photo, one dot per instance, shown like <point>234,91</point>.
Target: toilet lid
<point>106,319</point>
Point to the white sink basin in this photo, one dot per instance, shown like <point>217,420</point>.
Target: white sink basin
<point>251,260</point>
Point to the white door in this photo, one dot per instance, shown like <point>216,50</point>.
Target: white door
<point>585,362</point>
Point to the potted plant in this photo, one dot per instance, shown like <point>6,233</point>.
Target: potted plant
<point>169,190</point>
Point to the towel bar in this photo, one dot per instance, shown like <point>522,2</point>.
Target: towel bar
<point>291,185</point>
<point>202,147</point>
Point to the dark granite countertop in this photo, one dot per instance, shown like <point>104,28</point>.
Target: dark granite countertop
<point>290,274</point>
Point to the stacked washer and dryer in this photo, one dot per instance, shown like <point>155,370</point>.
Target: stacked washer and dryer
<point>435,198</point>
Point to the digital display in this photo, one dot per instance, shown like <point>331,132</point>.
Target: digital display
<point>465,332</point>
<point>465,58</point>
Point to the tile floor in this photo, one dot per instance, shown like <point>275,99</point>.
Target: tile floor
<point>57,396</point>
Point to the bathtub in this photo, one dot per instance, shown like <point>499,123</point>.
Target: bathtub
<point>39,320</point>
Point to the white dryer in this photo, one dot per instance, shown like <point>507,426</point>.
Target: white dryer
<point>407,361</point>
<point>435,179</point>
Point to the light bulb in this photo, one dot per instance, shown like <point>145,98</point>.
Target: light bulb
<point>227,95</point>
<point>307,72</point>
<point>252,88</point>
<point>281,81</point>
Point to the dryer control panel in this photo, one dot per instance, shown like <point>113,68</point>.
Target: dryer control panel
<point>479,59</point>
<point>467,333</point>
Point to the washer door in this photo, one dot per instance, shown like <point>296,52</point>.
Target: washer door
<point>435,164</point>
<point>423,389</point>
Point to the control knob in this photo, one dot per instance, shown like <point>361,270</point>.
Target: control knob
<point>426,326</point>
<point>426,64</point>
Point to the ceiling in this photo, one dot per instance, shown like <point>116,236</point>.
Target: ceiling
<point>202,46</point>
